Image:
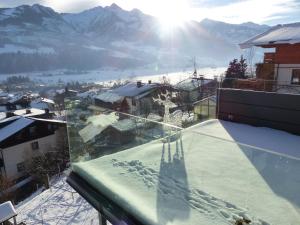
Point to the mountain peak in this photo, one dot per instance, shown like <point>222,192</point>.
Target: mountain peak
<point>114,6</point>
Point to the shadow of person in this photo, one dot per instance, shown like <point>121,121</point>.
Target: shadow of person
<point>173,186</point>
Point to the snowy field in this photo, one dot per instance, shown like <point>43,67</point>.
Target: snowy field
<point>56,206</point>
<point>100,76</point>
<point>200,179</point>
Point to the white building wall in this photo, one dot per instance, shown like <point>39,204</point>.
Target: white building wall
<point>284,74</point>
<point>19,153</point>
<point>284,77</point>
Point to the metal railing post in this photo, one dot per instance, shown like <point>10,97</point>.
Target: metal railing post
<point>15,220</point>
<point>102,220</point>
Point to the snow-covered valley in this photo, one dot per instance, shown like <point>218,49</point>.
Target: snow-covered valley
<point>111,76</point>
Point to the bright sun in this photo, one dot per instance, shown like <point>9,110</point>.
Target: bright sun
<point>172,13</point>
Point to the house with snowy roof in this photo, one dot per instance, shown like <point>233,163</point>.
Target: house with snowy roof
<point>43,103</point>
<point>282,62</point>
<point>23,137</point>
<point>11,115</point>
<point>195,88</point>
<point>133,98</point>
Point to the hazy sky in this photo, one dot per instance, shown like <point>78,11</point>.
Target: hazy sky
<point>232,11</point>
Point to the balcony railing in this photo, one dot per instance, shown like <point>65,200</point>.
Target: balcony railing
<point>150,170</point>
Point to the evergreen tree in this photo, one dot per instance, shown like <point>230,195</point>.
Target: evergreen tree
<point>237,69</point>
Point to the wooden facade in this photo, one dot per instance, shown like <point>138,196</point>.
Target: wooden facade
<point>284,54</point>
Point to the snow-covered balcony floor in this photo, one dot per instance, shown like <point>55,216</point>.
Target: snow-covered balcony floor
<point>199,179</point>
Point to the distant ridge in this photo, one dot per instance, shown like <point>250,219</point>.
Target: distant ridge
<point>38,38</point>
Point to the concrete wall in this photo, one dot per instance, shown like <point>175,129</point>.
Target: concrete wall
<point>278,111</point>
<point>19,153</point>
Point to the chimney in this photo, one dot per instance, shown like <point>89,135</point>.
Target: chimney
<point>139,83</point>
<point>149,81</point>
<point>9,114</point>
<point>28,111</point>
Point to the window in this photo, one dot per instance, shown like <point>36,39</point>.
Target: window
<point>35,145</point>
<point>296,76</point>
<point>133,102</point>
<point>32,130</point>
<point>21,167</point>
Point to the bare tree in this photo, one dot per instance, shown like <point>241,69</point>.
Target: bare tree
<point>5,184</point>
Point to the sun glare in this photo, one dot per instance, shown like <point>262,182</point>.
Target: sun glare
<point>172,13</point>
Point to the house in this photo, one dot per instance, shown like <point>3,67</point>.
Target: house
<point>120,132</point>
<point>61,94</point>
<point>6,117</point>
<point>195,88</point>
<point>282,62</point>
<point>88,96</point>
<point>23,137</point>
<point>43,103</point>
<point>14,102</point>
<point>133,98</point>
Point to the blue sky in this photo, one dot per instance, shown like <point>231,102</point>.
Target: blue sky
<point>233,11</point>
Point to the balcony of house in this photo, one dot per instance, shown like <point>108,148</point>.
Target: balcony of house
<point>148,169</point>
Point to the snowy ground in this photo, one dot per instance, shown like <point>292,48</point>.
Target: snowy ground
<point>109,75</point>
<point>199,179</point>
<point>56,206</point>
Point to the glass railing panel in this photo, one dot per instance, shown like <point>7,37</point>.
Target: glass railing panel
<point>164,174</point>
<point>95,132</point>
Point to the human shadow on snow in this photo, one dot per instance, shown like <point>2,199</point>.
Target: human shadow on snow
<point>173,185</point>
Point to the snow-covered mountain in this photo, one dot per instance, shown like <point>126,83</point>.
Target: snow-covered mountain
<point>38,38</point>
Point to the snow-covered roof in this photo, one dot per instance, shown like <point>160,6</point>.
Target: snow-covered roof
<point>109,96</point>
<point>280,34</point>
<point>124,125</point>
<point>90,131</point>
<point>39,105</point>
<point>60,91</point>
<point>14,127</point>
<point>87,94</point>
<point>47,100</point>
<point>154,117</point>
<point>15,98</point>
<point>132,90</point>
<point>4,120</point>
<point>33,112</point>
<point>7,211</point>
<point>3,94</point>
<point>96,124</point>
<point>49,120</point>
<point>191,84</point>
<point>127,90</point>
